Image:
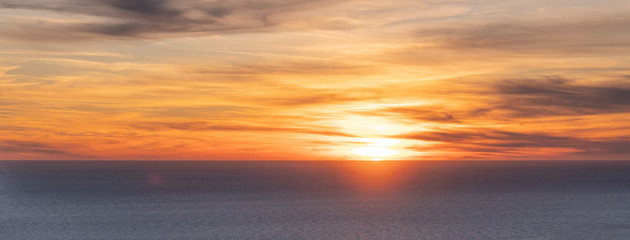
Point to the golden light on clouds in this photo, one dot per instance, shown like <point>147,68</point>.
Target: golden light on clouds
<point>314,80</point>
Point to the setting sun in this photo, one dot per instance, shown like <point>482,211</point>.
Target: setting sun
<point>376,153</point>
<point>377,149</point>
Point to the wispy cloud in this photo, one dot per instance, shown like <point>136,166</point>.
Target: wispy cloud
<point>574,36</point>
<point>204,126</point>
<point>497,144</point>
<point>19,146</point>
<point>153,18</point>
<point>560,96</point>
<point>418,113</point>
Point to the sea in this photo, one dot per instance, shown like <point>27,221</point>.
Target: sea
<point>314,200</point>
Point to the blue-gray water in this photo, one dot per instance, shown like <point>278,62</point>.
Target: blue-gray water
<point>315,200</point>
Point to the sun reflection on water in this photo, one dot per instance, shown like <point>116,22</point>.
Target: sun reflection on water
<point>375,177</point>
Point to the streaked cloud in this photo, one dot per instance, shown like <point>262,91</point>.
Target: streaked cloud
<point>584,36</point>
<point>153,18</point>
<point>493,144</point>
<point>559,96</point>
<point>204,126</point>
<point>29,147</point>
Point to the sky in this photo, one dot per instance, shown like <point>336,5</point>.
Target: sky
<point>314,80</point>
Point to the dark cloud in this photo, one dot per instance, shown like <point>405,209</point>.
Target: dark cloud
<point>511,100</point>
<point>144,7</point>
<point>493,138</point>
<point>152,18</point>
<point>503,142</point>
<point>593,34</point>
<point>16,146</point>
<point>559,96</point>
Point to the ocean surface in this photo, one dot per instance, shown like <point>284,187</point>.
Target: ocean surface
<point>315,200</point>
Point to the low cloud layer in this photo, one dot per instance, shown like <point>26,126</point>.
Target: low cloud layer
<point>492,143</point>
<point>28,147</point>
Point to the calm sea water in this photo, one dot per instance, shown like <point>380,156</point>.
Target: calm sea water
<point>315,200</point>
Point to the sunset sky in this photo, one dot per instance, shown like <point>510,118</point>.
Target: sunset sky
<point>315,79</point>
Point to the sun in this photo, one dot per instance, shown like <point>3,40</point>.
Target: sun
<point>375,153</point>
<point>377,149</point>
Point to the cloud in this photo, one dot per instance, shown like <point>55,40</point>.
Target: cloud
<point>153,18</point>
<point>493,138</point>
<point>302,97</point>
<point>18,146</point>
<point>560,96</point>
<point>327,66</point>
<point>204,126</point>
<point>586,35</point>
<point>432,113</point>
<point>205,111</point>
<point>514,99</point>
<point>505,143</point>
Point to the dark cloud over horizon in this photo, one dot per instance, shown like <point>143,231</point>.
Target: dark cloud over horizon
<point>19,146</point>
<point>491,141</point>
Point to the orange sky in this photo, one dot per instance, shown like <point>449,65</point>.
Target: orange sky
<point>314,79</point>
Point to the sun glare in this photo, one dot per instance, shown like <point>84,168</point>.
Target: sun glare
<point>375,153</point>
<point>377,149</point>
